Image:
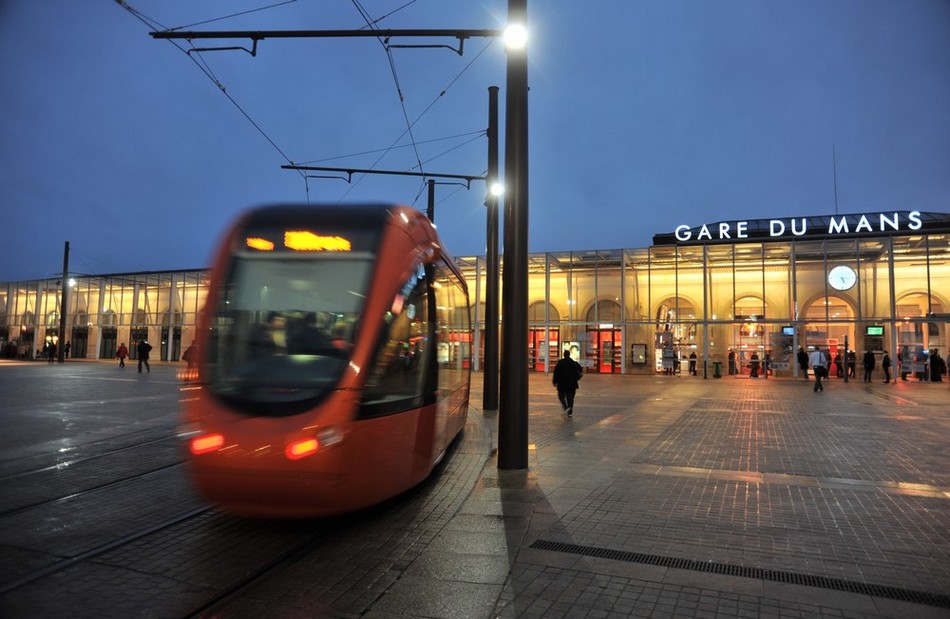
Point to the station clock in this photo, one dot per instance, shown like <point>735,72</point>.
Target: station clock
<point>842,277</point>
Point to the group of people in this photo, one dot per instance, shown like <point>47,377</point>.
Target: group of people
<point>820,363</point>
<point>756,364</point>
<point>142,349</point>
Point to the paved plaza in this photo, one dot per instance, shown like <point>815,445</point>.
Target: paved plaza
<point>662,496</point>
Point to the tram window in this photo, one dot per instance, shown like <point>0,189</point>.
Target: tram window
<point>273,347</point>
<point>452,332</point>
<point>397,376</point>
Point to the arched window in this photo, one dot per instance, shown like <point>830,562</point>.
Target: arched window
<point>911,310</point>
<point>166,316</point>
<point>604,311</point>
<point>676,316</point>
<point>750,312</point>
<point>536,313</point>
<point>109,318</point>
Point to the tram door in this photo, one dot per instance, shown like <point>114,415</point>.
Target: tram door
<point>606,349</point>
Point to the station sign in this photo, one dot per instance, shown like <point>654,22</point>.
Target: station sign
<point>808,228</point>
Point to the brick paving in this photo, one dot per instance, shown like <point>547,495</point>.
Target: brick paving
<point>851,485</point>
<point>665,475</point>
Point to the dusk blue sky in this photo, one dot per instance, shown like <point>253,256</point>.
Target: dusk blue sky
<point>644,115</point>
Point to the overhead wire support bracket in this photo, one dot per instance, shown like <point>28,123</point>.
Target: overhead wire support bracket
<point>252,51</point>
<point>460,50</point>
<point>385,34</point>
<point>468,178</point>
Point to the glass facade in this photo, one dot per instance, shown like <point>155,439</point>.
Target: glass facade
<point>103,311</point>
<point>630,311</point>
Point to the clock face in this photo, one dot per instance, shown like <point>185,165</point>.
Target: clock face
<point>842,277</point>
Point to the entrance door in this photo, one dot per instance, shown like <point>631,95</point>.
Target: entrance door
<point>174,342</point>
<point>137,334</point>
<point>108,346</point>
<point>79,342</point>
<point>536,352</point>
<point>606,349</point>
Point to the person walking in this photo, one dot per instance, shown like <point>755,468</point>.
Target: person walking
<point>886,366</point>
<point>732,362</point>
<point>143,349</point>
<point>803,361</point>
<point>868,362</point>
<point>754,365</point>
<point>51,353</point>
<point>692,363</point>
<point>567,373</point>
<point>122,353</point>
<point>817,362</point>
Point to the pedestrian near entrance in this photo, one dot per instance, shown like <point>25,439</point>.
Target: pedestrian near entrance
<point>868,362</point>
<point>567,373</point>
<point>143,350</point>
<point>803,361</point>
<point>754,365</point>
<point>886,366</point>
<point>732,362</point>
<point>938,367</point>
<point>692,363</point>
<point>121,354</point>
<point>817,362</point>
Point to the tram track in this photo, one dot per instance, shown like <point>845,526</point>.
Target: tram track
<point>102,549</point>
<point>63,464</point>
<point>88,491</point>
<point>233,592</point>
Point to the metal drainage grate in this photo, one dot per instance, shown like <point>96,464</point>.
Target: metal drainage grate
<point>835,584</point>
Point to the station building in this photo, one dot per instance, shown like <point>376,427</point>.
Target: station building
<point>764,287</point>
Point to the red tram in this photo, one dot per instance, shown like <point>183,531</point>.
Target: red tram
<point>333,363</point>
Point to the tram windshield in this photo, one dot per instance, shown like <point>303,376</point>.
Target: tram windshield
<point>283,329</point>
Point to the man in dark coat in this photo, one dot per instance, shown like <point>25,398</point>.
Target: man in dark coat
<point>869,363</point>
<point>143,350</point>
<point>566,374</point>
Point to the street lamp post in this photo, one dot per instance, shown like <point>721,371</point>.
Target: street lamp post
<point>513,408</point>
<point>490,385</point>
<point>63,307</point>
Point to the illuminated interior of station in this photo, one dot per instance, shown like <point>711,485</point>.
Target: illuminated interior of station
<point>623,311</point>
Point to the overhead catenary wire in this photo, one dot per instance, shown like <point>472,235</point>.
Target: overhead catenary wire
<point>370,23</point>
<point>204,68</point>
<point>422,114</point>
<point>223,17</point>
<point>392,67</point>
<point>394,11</point>
<point>390,148</point>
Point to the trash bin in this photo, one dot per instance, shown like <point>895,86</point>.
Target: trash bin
<point>717,369</point>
